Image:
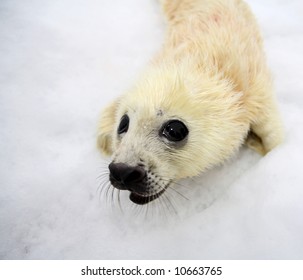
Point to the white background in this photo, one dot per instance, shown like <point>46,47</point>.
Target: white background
<point>61,62</point>
<point>231,270</point>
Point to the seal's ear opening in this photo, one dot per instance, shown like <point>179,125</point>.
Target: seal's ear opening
<point>105,129</point>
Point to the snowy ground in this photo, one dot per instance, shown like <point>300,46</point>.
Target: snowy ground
<point>61,61</point>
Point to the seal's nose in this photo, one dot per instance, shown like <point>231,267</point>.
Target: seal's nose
<point>125,177</point>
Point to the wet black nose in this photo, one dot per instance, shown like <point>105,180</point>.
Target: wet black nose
<point>126,177</point>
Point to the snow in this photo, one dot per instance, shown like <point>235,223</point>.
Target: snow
<point>61,62</point>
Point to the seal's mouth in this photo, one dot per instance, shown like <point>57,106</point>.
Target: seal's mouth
<point>141,200</point>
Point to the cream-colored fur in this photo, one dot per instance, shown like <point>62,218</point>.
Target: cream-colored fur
<point>212,75</point>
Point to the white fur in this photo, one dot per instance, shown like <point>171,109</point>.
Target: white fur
<point>212,75</point>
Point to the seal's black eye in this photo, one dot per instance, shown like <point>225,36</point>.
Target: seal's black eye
<point>174,130</point>
<point>123,126</point>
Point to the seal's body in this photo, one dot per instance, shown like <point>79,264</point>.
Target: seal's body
<point>205,94</point>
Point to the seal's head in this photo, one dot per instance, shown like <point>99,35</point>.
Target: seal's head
<point>172,125</point>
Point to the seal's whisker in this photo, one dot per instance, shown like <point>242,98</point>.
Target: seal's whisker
<point>104,167</point>
<point>103,190</point>
<point>179,193</point>
<point>100,188</point>
<point>103,175</point>
<point>102,185</point>
<point>168,206</point>
<point>112,197</point>
<point>119,202</point>
<point>148,205</point>
<point>163,205</point>
<point>170,203</point>
<point>115,197</point>
<point>142,208</point>
<point>137,209</point>
<point>103,181</point>
<point>174,200</point>
<point>146,210</point>
<point>160,206</point>
<point>107,192</point>
<point>169,186</point>
<point>165,179</point>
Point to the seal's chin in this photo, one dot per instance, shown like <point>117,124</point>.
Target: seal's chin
<point>141,200</point>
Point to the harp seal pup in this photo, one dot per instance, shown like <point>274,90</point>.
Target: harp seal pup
<point>207,92</point>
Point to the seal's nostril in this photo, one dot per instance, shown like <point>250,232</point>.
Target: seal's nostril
<point>136,175</point>
<point>126,175</point>
<point>115,171</point>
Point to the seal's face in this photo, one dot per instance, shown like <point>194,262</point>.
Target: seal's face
<point>144,145</point>
<point>165,130</point>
